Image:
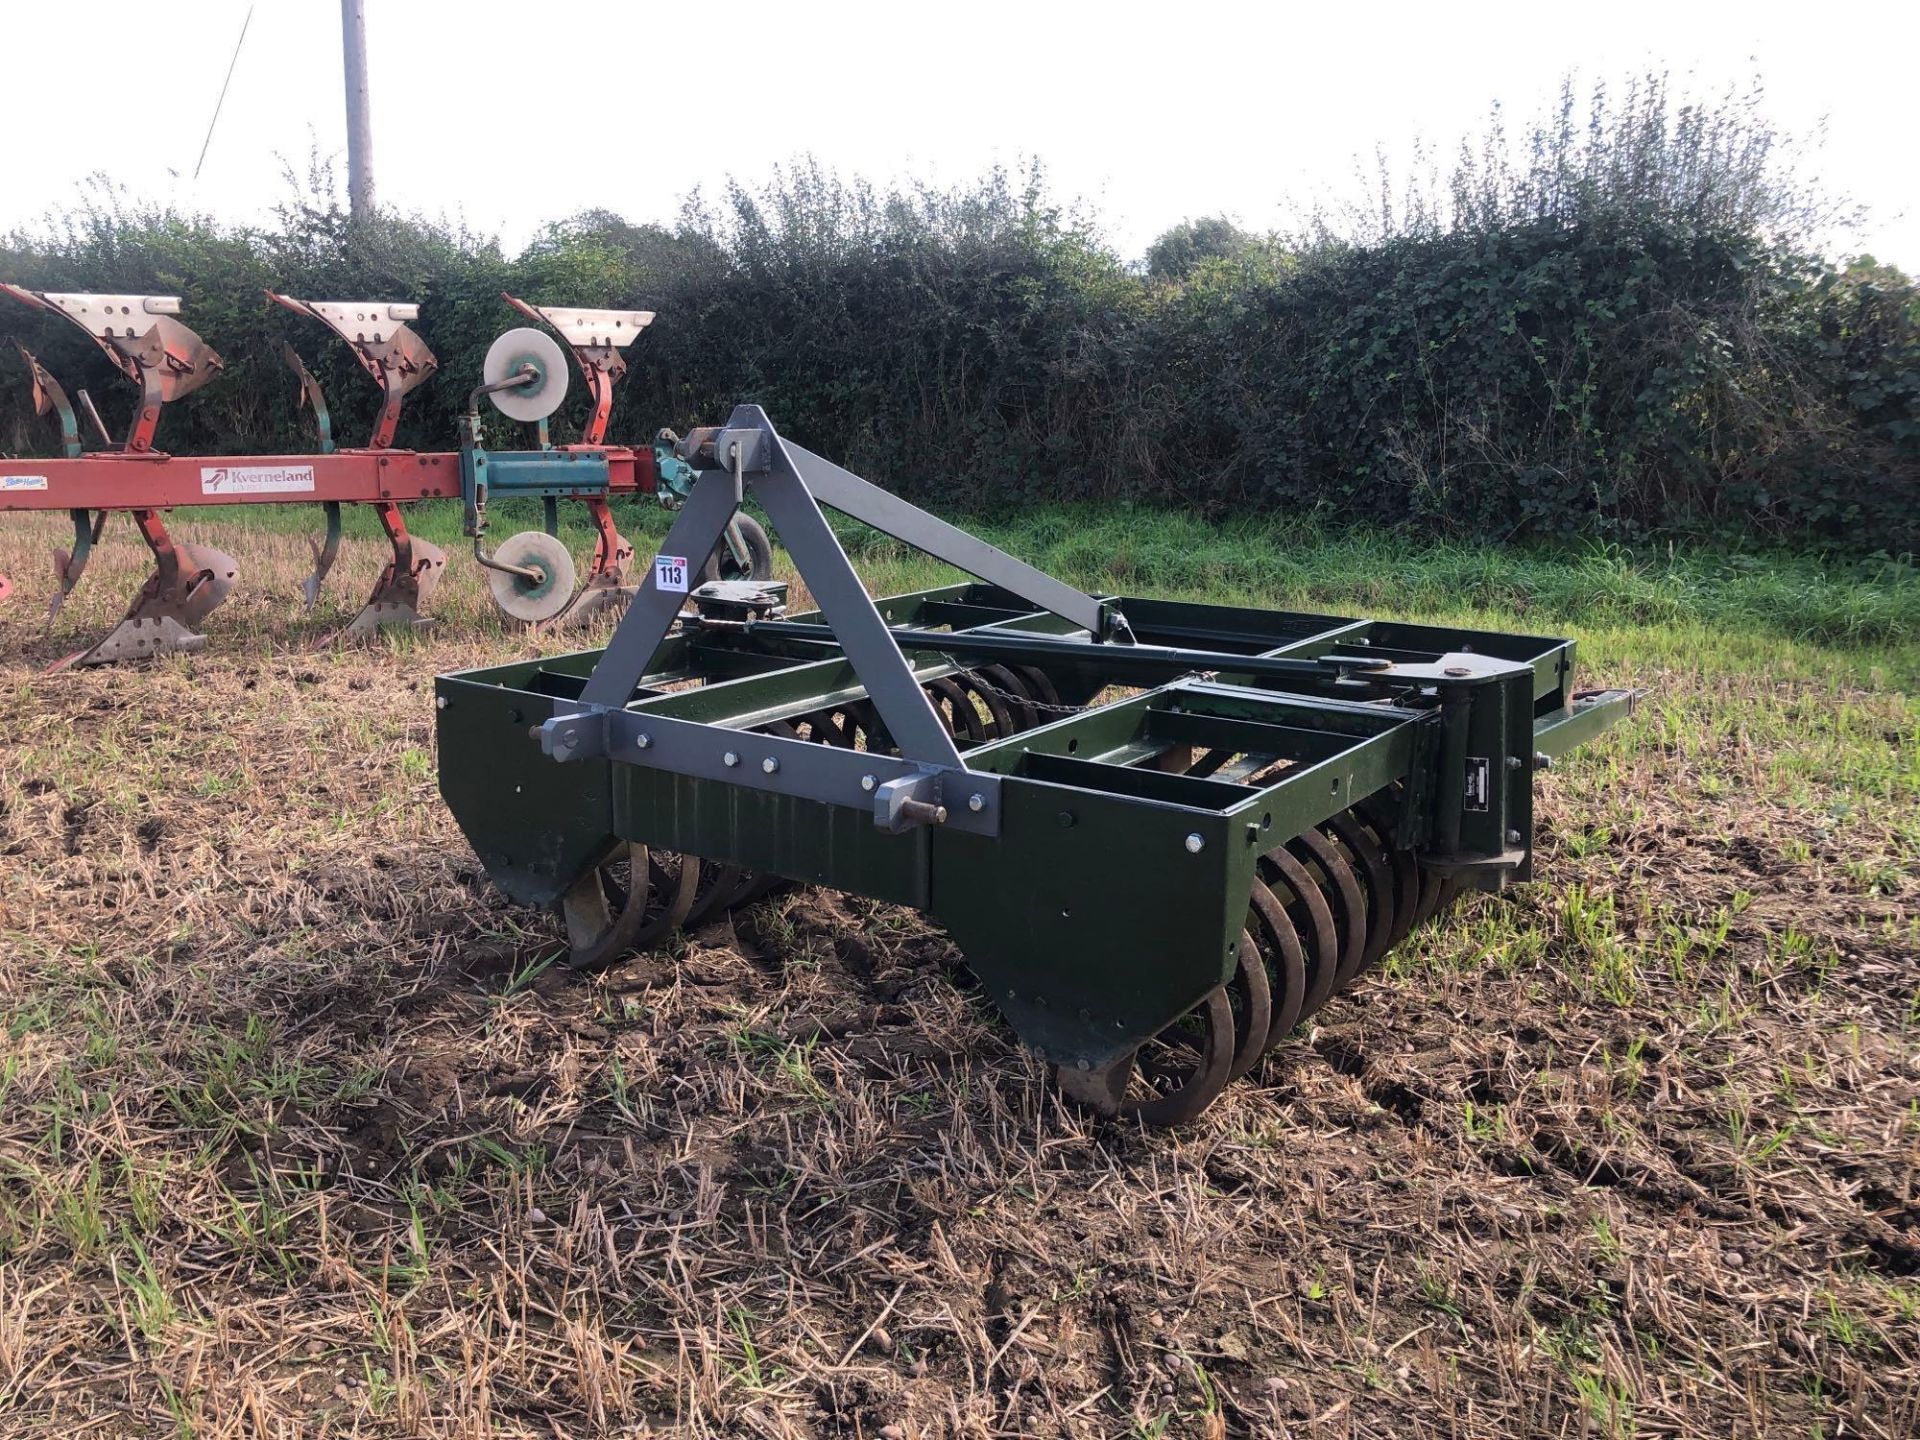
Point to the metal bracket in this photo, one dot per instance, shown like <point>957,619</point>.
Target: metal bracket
<point>913,801</point>
<point>139,334</point>
<point>596,338</point>
<point>49,398</point>
<point>903,794</point>
<point>382,342</point>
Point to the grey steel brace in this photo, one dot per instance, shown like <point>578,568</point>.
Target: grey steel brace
<point>791,482</point>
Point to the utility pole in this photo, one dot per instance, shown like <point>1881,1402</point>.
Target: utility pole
<point>353,45</point>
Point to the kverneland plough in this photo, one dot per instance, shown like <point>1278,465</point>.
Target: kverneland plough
<point>531,575</point>
<point>1162,833</point>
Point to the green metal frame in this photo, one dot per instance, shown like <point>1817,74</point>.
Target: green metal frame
<point>1108,898</point>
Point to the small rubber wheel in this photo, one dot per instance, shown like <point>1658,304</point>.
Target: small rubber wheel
<point>721,564</point>
<point>526,599</point>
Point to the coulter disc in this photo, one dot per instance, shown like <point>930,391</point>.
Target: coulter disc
<point>528,599</point>
<point>518,352</point>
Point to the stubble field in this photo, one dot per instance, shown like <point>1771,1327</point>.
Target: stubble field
<point>303,1133</point>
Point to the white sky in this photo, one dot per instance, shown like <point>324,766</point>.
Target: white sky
<point>1153,113</point>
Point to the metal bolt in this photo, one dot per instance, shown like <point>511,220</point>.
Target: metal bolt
<point>770,765</point>
<point>1458,670</point>
<point>730,759</point>
<point>1542,760</point>
<point>1066,819</point>
<point>440,702</point>
<point>1513,837</point>
<point>976,803</point>
<point>1513,762</point>
<point>1196,842</point>
<point>643,741</point>
<point>867,782</point>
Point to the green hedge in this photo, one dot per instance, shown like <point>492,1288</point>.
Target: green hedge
<point>1630,368</point>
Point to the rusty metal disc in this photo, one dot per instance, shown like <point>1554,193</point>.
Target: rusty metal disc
<point>1170,1079</point>
<point>1312,917</point>
<point>999,723</point>
<point>1186,1066</point>
<point>956,710</point>
<point>1252,1000</point>
<point>1014,691</point>
<point>1378,815</point>
<point>1372,863</point>
<point>1285,959</point>
<point>1335,876</point>
<point>713,893</point>
<point>627,902</point>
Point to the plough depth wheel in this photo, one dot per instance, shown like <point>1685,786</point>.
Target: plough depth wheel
<point>756,564</point>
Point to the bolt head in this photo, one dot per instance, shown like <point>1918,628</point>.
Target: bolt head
<point>1196,842</point>
<point>643,741</point>
<point>770,765</point>
<point>1458,670</point>
<point>439,702</point>
<point>976,803</point>
<point>867,782</point>
<point>730,759</point>
<point>1514,837</point>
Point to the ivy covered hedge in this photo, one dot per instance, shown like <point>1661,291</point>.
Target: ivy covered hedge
<point>1624,334</point>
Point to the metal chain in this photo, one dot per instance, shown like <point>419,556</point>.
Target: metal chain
<point>975,678</point>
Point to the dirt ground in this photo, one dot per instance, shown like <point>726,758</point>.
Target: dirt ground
<point>303,1134</point>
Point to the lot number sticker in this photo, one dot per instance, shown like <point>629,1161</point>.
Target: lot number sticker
<point>670,573</point>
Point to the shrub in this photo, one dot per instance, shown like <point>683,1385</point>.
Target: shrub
<point>1618,326</point>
